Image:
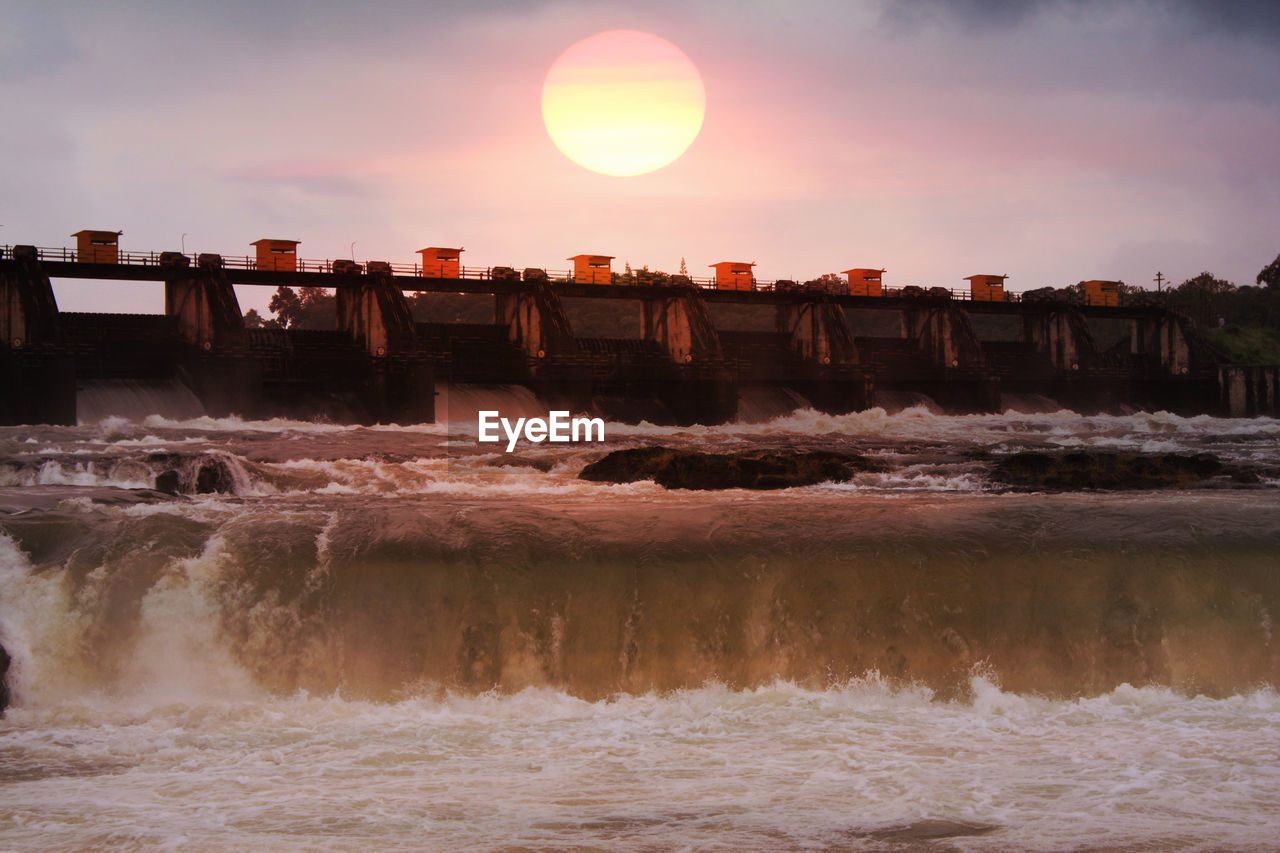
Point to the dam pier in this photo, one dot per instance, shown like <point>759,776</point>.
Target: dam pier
<point>697,352</point>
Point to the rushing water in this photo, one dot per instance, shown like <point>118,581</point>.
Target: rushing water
<point>346,638</point>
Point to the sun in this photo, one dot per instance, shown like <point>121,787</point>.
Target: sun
<point>623,102</point>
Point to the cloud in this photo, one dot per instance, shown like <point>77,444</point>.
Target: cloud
<point>975,14</point>
<point>1258,19</point>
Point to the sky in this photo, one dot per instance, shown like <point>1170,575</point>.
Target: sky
<point>1049,140</point>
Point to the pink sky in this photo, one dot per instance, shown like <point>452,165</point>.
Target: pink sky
<point>1064,141</point>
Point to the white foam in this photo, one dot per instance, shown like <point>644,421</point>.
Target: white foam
<point>779,767</point>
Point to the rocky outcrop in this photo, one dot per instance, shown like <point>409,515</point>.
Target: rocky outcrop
<point>1098,469</point>
<point>193,475</point>
<point>690,469</point>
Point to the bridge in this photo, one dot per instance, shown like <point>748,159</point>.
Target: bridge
<point>691,362</point>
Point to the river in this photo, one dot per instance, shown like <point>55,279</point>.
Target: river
<point>325,637</point>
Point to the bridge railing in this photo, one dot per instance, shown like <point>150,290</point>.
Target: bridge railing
<point>308,265</point>
<point>249,262</point>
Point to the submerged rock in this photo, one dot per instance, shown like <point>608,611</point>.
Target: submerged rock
<point>691,469</point>
<point>1100,469</point>
<point>21,499</point>
<point>505,461</point>
<point>932,829</point>
<point>4,680</point>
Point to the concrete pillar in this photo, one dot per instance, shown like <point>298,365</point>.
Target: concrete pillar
<point>535,320</point>
<point>942,331</point>
<point>398,385</point>
<point>819,331</point>
<point>1162,338</point>
<point>1061,333</point>
<point>681,324</point>
<point>28,311</point>
<point>203,301</point>
<point>1268,393</point>
<point>37,373</point>
<point>1249,391</point>
<point>376,315</point>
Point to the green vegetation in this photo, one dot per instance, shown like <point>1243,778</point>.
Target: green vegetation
<point>316,308</point>
<point>307,308</point>
<point>1243,322</point>
<point>1246,344</point>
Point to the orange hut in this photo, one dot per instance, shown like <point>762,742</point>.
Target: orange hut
<point>864,282</point>
<point>98,247</point>
<point>1098,292</point>
<point>441,263</point>
<point>277,255</point>
<point>734,275</point>
<point>986,288</point>
<point>592,269</point>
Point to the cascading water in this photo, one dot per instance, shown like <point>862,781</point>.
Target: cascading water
<point>98,399</point>
<point>459,403</point>
<point>761,404</point>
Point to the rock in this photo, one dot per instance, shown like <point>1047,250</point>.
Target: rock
<point>169,482</point>
<point>505,461</point>
<point>690,469</point>
<point>933,829</point>
<point>214,476</point>
<point>5,697</point>
<point>192,474</point>
<point>1099,469</point>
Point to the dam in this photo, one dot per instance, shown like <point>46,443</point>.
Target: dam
<point>699,351</point>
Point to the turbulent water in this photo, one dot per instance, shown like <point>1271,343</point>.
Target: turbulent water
<point>342,638</point>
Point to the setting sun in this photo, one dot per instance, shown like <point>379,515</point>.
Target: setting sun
<point>623,102</point>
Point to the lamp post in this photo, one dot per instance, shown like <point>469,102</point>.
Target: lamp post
<point>184,242</point>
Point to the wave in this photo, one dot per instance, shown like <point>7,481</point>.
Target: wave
<point>778,767</point>
<point>915,450</point>
<point>1067,595</point>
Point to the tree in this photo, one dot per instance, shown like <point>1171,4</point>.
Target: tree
<point>1205,297</point>
<point>829,282</point>
<point>1206,283</point>
<point>1270,275</point>
<point>684,271</point>
<point>285,304</point>
<point>310,308</point>
<point>254,320</point>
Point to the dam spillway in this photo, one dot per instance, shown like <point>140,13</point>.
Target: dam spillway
<point>697,352</point>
